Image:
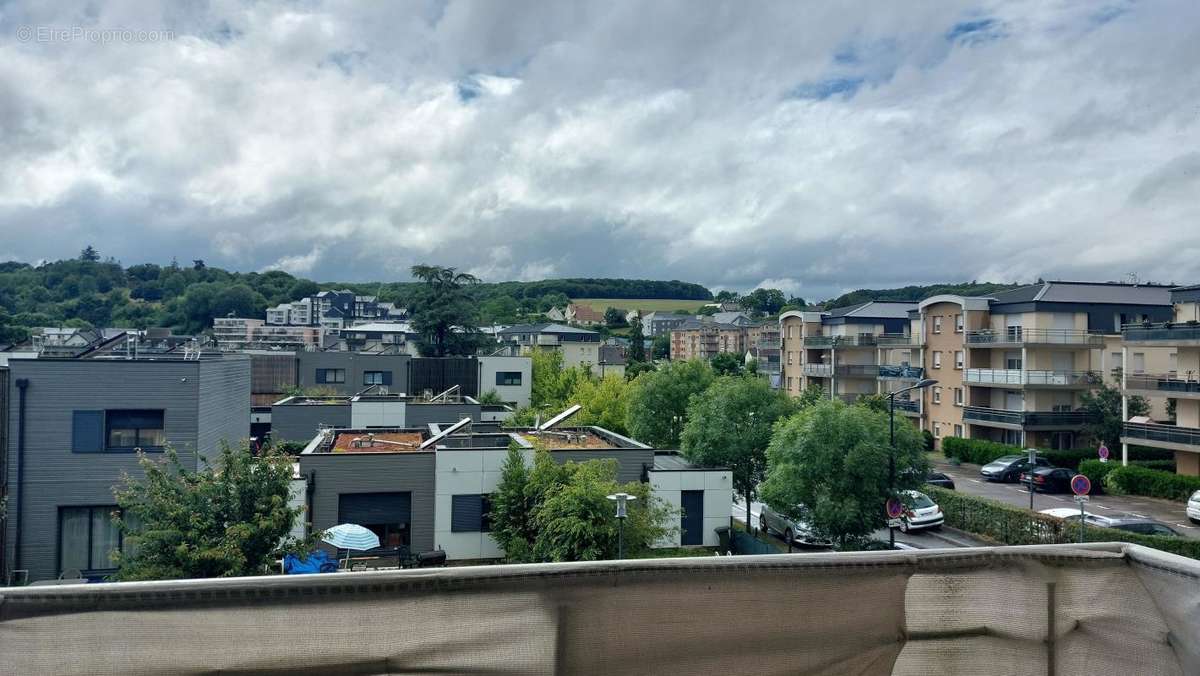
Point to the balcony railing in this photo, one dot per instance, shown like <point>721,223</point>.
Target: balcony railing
<point>1165,433</point>
<point>817,370</point>
<point>983,414</point>
<point>901,372</point>
<point>1016,335</point>
<point>1033,378</point>
<point>858,370</point>
<point>1166,333</point>
<point>897,340</point>
<point>768,344</point>
<point>908,405</point>
<point>1162,382</point>
<point>864,340</point>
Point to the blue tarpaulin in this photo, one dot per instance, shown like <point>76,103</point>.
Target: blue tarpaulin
<point>317,562</point>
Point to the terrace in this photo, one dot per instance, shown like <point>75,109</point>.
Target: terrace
<point>1015,336</point>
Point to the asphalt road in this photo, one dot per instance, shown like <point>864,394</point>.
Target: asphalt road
<point>967,480</point>
<point>941,538</point>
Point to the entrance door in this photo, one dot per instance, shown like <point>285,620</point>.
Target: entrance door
<point>691,523</point>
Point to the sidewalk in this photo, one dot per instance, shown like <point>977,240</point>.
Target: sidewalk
<point>967,480</point>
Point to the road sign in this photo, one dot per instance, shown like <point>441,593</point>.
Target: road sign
<point>893,523</point>
<point>1080,485</point>
<point>1081,499</point>
<point>1103,452</point>
<point>895,508</point>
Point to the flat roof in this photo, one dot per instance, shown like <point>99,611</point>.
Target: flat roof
<point>376,442</point>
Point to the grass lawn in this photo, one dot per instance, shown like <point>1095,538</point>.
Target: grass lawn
<point>643,304</point>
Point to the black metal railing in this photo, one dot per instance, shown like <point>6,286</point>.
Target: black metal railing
<point>901,372</point>
<point>1165,332</point>
<point>908,405</point>
<point>861,370</point>
<point>864,340</point>
<point>897,340</point>
<point>1162,383</point>
<point>1167,433</point>
<point>1015,335</point>
<point>983,414</point>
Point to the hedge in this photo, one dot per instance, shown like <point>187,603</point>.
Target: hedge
<point>982,451</point>
<point>1009,525</point>
<point>1134,480</point>
<point>1096,471</point>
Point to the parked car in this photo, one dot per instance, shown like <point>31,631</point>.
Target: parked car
<point>1050,479</point>
<point>791,530</point>
<point>1142,526</point>
<point>921,512</point>
<point>1193,507</point>
<point>1008,468</point>
<point>1068,513</point>
<point>939,479</point>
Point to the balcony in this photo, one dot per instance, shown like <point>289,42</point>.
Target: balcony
<point>858,370</point>
<point>1022,378</point>
<point>1162,436</point>
<point>817,370</point>
<point>1165,384</point>
<point>1168,334</point>
<point>1025,420</point>
<point>898,340</point>
<point>767,344</point>
<point>864,340</point>
<point>900,372</point>
<point>1016,336</point>
<point>908,406</point>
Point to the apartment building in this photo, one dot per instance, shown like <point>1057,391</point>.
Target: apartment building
<point>1011,367</point>
<point>579,347</point>
<point>661,323</point>
<point>74,426</point>
<point>703,338</point>
<point>763,345</point>
<point>850,351</point>
<point>425,493</point>
<point>1179,382</point>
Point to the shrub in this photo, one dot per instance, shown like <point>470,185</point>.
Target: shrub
<point>982,451</point>
<point>977,451</point>
<point>1009,525</point>
<point>1154,483</point>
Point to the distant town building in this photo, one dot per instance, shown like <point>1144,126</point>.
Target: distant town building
<point>579,347</point>
<point>584,314</point>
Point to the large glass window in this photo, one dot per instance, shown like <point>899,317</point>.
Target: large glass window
<point>135,429</point>
<point>377,377</point>
<point>508,378</point>
<point>470,513</point>
<point>331,376</point>
<point>87,538</point>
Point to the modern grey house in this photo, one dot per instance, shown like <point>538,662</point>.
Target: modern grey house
<point>438,496</point>
<point>351,372</point>
<point>74,427</point>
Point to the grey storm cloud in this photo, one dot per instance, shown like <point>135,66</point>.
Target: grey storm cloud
<point>814,147</point>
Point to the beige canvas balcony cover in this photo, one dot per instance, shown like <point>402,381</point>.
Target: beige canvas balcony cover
<point>1092,609</point>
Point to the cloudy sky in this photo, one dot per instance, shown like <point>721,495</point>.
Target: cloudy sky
<point>800,145</point>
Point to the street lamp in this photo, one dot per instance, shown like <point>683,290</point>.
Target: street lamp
<point>921,384</point>
<point>621,499</point>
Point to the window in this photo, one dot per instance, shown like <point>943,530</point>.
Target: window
<point>937,429</point>
<point>958,359</point>
<point>958,430</point>
<point>331,376</point>
<point>470,514</point>
<point>387,515</point>
<point>127,430</point>
<point>1012,361</point>
<point>508,378</point>
<point>377,377</point>
<point>937,359</point>
<point>958,399</point>
<point>958,323</point>
<point>1139,362</point>
<point>789,381</point>
<point>87,538</point>
<point>937,324</point>
<point>937,395</point>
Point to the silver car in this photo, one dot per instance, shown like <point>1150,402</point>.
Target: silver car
<point>791,530</point>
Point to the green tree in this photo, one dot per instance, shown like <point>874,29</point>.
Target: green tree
<point>499,310</point>
<point>637,343</point>
<point>658,401</point>
<point>561,512</point>
<point>828,465</point>
<point>726,364</point>
<point>727,297</point>
<point>810,396</point>
<point>443,311</point>
<point>729,425</point>
<point>9,332</point>
<point>221,521</point>
<point>89,254</point>
<point>875,402</point>
<point>660,347</point>
<point>614,317</point>
<point>489,398</point>
<point>764,301</point>
<point>1103,406</point>
<point>604,402</point>
<point>635,368</point>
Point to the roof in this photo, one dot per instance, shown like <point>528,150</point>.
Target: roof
<point>382,327</point>
<point>875,308</point>
<point>1087,292</point>
<point>545,328</point>
<point>377,442</point>
<point>731,318</point>
<point>585,312</point>
<point>672,461</point>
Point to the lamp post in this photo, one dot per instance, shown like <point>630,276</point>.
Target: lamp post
<point>921,384</point>
<point>621,499</point>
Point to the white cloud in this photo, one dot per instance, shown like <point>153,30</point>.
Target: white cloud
<point>816,151</point>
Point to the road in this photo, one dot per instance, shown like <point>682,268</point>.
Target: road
<point>967,480</point>
<point>942,538</point>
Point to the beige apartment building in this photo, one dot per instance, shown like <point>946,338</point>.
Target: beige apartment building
<point>1180,382</point>
<point>697,339</point>
<point>1010,367</point>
